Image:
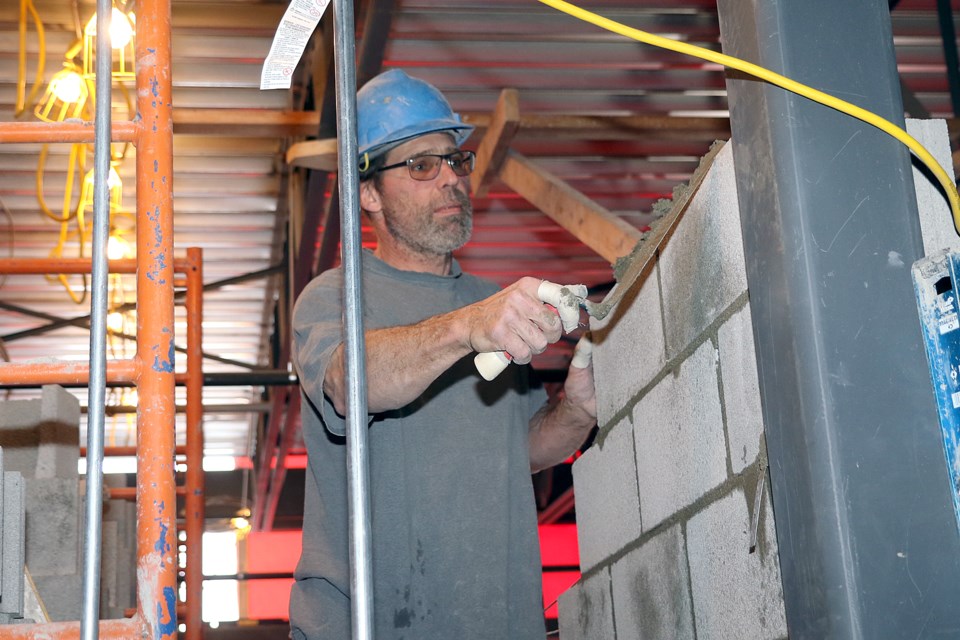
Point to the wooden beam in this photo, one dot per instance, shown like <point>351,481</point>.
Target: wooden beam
<point>599,229</point>
<point>314,154</point>
<point>496,142</point>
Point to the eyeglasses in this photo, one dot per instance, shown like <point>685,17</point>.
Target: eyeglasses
<point>427,166</point>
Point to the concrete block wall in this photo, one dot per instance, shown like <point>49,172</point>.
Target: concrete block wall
<point>672,544</point>
<point>676,529</point>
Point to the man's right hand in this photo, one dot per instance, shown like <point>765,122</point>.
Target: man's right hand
<point>514,320</point>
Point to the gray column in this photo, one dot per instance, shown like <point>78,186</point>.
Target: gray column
<point>868,541</point>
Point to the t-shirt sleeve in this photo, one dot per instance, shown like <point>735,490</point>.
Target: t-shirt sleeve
<point>317,331</point>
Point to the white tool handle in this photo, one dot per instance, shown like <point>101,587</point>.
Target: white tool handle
<point>566,300</point>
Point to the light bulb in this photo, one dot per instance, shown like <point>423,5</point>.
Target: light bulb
<point>67,86</point>
<point>113,179</point>
<point>115,320</point>
<point>121,29</point>
<point>117,248</point>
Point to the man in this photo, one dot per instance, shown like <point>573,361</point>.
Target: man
<point>454,530</point>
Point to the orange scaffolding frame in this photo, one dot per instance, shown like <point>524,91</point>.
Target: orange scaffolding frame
<point>151,369</point>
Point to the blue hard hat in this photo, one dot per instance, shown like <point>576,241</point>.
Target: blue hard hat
<point>393,107</point>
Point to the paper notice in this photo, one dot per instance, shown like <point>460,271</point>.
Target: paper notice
<point>293,34</point>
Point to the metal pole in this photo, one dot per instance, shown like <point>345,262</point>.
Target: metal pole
<point>156,489</point>
<point>89,627</point>
<point>361,571</point>
<point>194,500</point>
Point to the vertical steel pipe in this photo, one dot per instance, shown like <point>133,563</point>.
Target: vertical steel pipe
<point>156,495</point>
<point>194,499</point>
<point>90,613</point>
<point>358,477</point>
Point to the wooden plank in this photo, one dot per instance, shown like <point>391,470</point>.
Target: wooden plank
<point>594,226</point>
<point>496,142</point>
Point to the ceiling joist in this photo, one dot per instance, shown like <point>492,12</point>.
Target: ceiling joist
<point>607,234</point>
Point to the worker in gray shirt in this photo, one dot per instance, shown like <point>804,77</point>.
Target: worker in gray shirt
<point>455,553</point>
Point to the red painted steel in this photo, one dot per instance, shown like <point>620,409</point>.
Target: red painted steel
<point>194,500</point>
<point>121,131</point>
<point>156,492</point>
<point>34,373</point>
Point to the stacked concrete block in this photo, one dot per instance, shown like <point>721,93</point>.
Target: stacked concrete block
<point>586,609</point>
<point>12,532</point>
<point>118,562</point>
<point>608,506</point>
<point>737,583</point>
<point>663,523</point>
<point>41,441</point>
<point>936,219</point>
<point>676,529</point>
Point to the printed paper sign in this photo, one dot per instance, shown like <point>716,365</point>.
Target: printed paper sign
<point>291,38</point>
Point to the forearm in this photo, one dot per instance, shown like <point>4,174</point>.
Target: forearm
<point>401,362</point>
<point>556,431</point>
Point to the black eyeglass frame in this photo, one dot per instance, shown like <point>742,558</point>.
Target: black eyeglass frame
<point>468,163</point>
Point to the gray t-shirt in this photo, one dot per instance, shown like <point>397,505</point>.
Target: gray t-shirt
<point>455,550</point>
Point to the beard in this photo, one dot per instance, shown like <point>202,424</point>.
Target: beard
<point>420,230</point>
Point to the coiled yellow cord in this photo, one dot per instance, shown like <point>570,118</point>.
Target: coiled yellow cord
<point>781,81</point>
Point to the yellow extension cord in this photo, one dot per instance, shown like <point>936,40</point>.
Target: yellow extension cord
<point>776,79</point>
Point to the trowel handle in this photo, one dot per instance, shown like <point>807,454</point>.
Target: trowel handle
<point>491,363</point>
<point>565,299</point>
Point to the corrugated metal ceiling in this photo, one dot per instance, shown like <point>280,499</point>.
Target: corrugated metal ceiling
<point>647,115</point>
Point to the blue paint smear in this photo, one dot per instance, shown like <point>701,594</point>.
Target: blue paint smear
<point>153,87</point>
<point>156,166</point>
<point>167,628</point>
<point>162,546</point>
<point>162,367</point>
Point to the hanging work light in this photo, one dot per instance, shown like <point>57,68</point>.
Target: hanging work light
<point>123,28</point>
<point>65,96</point>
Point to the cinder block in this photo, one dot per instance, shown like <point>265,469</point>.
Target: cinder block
<point>42,437</point>
<point>59,434</point>
<point>736,594</point>
<point>108,571</point>
<point>628,346</point>
<point>936,218</point>
<point>741,389</point>
<point>12,552</point>
<point>608,505</point>
<point>651,590</point>
<point>702,269</point>
<point>681,449</point>
<point>53,526</point>
<point>586,610</point>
